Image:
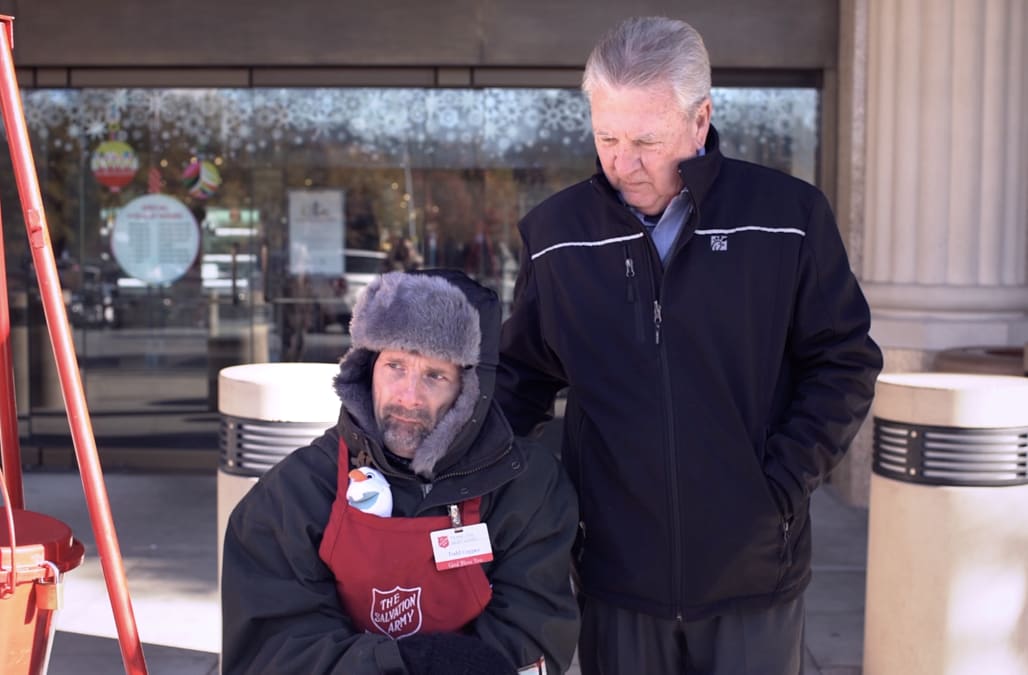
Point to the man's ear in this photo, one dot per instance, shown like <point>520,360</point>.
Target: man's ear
<point>699,125</point>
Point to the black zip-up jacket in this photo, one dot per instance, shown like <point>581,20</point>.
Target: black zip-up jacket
<point>280,609</point>
<point>707,398</point>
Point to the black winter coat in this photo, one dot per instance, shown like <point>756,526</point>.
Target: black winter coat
<point>708,397</point>
<point>280,609</point>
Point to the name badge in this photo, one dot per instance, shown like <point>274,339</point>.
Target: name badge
<point>461,546</point>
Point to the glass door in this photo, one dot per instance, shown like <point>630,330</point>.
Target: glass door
<point>200,228</point>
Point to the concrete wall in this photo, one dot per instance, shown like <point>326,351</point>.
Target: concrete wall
<point>786,34</point>
<point>409,43</point>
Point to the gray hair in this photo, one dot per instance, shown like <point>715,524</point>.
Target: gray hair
<point>650,50</point>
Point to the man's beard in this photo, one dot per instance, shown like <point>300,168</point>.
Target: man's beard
<point>404,437</point>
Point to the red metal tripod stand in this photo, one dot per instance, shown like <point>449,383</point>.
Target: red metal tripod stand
<point>64,353</point>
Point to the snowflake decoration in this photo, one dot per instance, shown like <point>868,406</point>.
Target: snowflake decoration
<point>391,127</point>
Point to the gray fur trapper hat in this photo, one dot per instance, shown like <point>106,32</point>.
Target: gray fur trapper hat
<point>424,313</point>
<point>417,313</point>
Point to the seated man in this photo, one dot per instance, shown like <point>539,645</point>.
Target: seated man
<point>467,572</point>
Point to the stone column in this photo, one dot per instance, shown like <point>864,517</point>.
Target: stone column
<point>946,216</point>
<point>936,179</point>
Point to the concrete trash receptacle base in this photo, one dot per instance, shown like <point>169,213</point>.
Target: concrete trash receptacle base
<point>948,588</point>
<point>267,411</point>
<point>947,559</point>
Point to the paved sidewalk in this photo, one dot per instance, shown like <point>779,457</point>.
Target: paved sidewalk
<point>166,528</point>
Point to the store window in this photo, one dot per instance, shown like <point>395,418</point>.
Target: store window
<point>183,217</point>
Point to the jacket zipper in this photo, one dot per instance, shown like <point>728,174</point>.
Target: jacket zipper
<point>461,474</point>
<point>632,297</point>
<point>630,276</point>
<point>676,520</point>
<point>787,550</point>
<point>672,463</point>
<point>785,555</point>
<point>672,457</point>
<point>656,320</point>
<point>468,472</point>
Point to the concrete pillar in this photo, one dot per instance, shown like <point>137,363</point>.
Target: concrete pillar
<point>946,236</point>
<point>933,178</point>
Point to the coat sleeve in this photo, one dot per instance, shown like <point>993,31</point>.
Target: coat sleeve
<point>280,609</point>
<point>533,521</point>
<point>831,366</point>
<point>530,374</point>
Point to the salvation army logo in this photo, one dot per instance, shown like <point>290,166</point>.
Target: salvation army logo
<point>443,541</point>
<point>397,612</point>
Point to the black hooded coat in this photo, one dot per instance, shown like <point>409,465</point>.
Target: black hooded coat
<point>281,612</point>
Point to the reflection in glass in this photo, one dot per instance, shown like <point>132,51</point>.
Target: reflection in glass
<point>426,177</point>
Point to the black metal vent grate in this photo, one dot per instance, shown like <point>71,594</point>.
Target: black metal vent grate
<point>950,455</point>
<point>251,447</point>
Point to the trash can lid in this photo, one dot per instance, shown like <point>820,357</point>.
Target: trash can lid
<point>280,392</point>
<point>953,399</point>
<point>39,538</point>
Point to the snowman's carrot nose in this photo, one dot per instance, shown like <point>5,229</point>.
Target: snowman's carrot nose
<point>357,475</point>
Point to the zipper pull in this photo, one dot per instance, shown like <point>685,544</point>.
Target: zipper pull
<point>657,318</point>
<point>630,274</point>
<point>786,551</point>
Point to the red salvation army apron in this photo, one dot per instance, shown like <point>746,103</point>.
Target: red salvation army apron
<point>385,572</point>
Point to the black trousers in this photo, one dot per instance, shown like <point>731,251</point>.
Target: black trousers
<point>617,641</point>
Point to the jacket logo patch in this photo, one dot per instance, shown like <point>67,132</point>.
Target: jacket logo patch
<point>396,612</point>
<point>718,242</point>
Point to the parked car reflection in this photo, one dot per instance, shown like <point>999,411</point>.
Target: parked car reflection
<point>314,310</point>
<point>94,301</point>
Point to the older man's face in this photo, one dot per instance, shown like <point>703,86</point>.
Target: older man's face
<point>641,135</point>
<point>410,393</point>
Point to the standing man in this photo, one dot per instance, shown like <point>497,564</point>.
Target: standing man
<point>416,537</point>
<point>702,314</point>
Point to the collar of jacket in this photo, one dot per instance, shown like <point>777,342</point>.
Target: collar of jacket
<point>697,173</point>
<point>493,460</point>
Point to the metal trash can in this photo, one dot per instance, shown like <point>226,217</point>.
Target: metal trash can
<point>267,410</point>
<point>947,559</point>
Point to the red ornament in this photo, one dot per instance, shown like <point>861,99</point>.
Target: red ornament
<point>114,164</point>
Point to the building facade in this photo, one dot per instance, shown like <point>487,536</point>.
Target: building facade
<point>220,179</point>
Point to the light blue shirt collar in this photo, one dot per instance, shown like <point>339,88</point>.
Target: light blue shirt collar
<point>670,224</point>
<point>667,228</point>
